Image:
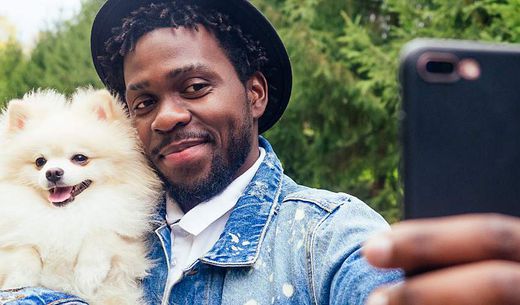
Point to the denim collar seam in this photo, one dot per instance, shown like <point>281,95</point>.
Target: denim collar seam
<point>163,244</point>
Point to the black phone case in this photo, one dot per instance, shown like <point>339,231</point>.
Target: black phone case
<point>460,139</point>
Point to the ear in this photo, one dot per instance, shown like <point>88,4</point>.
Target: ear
<point>101,103</point>
<point>257,93</point>
<point>107,107</point>
<point>18,113</point>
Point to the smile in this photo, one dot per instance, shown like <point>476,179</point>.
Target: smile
<point>180,146</point>
<point>62,195</point>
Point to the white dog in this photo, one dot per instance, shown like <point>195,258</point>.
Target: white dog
<point>76,197</point>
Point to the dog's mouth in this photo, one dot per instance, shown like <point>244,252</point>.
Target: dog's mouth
<point>62,195</point>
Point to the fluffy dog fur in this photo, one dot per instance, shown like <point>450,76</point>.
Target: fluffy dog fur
<point>89,243</point>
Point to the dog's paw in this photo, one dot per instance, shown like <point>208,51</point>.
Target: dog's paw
<point>90,274</point>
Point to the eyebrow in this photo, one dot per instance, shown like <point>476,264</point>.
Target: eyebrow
<point>139,85</point>
<point>172,74</point>
<point>187,69</point>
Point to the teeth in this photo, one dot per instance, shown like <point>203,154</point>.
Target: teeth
<point>78,188</point>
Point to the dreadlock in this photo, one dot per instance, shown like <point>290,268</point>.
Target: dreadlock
<point>245,53</point>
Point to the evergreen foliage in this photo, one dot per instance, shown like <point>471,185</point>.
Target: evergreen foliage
<point>340,130</point>
<point>59,60</point>
<point>12,66</point>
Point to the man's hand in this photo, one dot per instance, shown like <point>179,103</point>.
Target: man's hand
<point>459,260</point>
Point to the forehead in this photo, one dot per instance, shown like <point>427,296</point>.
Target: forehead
<point>162,50</point>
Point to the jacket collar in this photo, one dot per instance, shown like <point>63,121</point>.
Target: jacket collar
<point>244,232</point>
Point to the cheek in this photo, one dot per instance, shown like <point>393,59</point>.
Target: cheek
<point>101,170</point>
<point>30,175</point>
<point>74,174</point>
<point>224,117</point>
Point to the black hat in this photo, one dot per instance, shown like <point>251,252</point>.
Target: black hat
<point>241,12</point>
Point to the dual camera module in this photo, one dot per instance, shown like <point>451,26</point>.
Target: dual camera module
<point>439,67</point>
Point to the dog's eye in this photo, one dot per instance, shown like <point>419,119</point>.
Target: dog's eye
<point>79,159</point>
<point>40,162</point>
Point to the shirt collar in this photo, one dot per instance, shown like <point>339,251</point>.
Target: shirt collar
<point>204,214</point>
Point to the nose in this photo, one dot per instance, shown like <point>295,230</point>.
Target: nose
<point>171,114</point>
<point>54,174</point>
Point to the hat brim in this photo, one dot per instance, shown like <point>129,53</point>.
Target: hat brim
<point>277,71</point>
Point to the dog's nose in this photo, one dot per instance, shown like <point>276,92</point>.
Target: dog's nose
<point>54,174</point>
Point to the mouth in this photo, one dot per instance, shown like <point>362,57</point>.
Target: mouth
<point>178,147</point>
<point>60,196</point>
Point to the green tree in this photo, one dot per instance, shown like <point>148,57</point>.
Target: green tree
<point>341,127</point>
<point>12,65</point>
<point>61,58</point>
<point>335,133</point>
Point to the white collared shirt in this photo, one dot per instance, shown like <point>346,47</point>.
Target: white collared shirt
<point>193,234</point>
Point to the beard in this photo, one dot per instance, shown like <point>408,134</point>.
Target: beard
<point>222,170</point>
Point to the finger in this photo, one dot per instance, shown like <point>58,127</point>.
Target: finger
<point>433,243</point>
<point>489,283</point>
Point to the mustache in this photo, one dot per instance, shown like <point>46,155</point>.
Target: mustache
<point>180,136</point>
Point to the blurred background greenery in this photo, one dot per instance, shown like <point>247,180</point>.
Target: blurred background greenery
<point>340,130</point>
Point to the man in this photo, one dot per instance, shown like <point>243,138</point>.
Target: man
<point>202,80</point>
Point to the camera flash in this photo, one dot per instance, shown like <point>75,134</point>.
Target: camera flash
<point>469,69</point>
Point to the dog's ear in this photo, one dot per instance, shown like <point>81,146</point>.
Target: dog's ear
<point>105,106</point>
<point>17,114</point>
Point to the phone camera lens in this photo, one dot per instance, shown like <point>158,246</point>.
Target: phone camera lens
<point>440,67</point>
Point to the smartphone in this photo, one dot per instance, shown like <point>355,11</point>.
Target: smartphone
<point>460,127</point>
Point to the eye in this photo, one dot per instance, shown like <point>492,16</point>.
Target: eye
<point>196,87</point>
<point>79,159</point>
<point>40,162</point>
<point>143,104</point>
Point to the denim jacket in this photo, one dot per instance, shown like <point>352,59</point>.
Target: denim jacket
<point>283,244</point>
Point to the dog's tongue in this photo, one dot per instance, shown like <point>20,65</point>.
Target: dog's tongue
<point>60,194</point>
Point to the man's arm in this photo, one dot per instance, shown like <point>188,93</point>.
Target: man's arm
<point>340,274</point>
<point>459,260</point>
